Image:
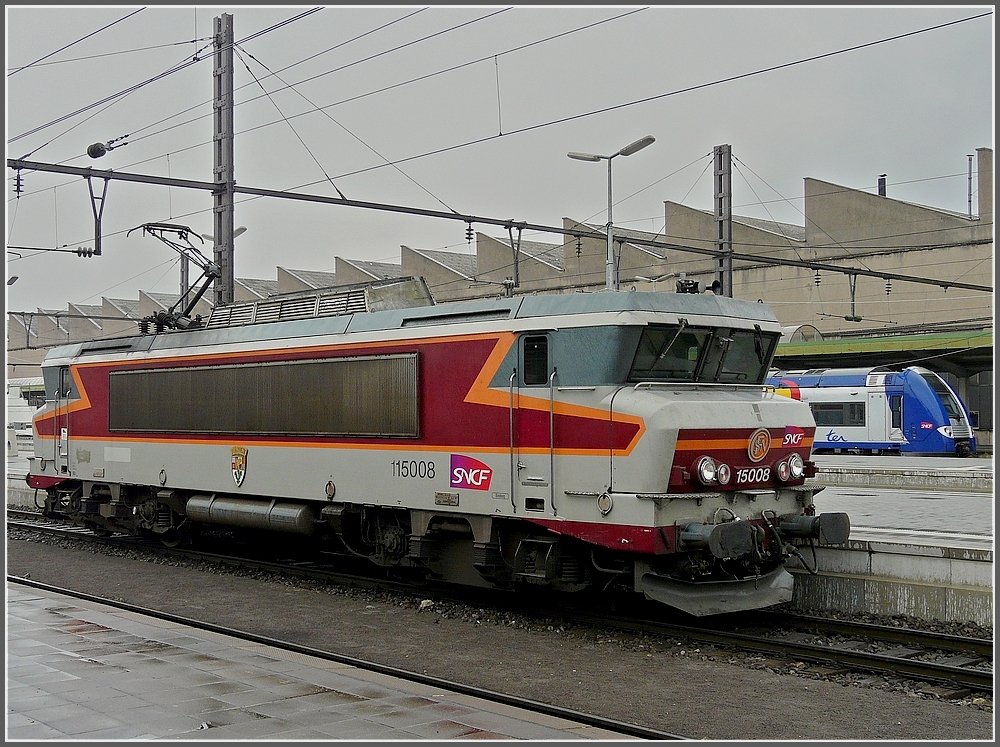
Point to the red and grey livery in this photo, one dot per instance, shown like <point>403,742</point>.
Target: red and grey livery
<point>609,440</point>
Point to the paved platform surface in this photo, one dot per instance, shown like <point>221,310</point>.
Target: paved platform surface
<point>79,670</point>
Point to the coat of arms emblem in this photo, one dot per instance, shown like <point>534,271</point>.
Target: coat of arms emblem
<point>239,464</point>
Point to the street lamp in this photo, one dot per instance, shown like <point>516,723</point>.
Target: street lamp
<point>628,150</point>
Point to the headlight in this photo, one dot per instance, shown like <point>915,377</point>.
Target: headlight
<point>796,466</point>
<point>723,473</point>
<point>783,470</point>
<point>705,470</point>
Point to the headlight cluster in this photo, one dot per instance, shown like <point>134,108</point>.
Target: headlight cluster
<point>792,468</point>
<point>710,472</point>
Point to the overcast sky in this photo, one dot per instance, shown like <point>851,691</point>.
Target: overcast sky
<point>469,109</point>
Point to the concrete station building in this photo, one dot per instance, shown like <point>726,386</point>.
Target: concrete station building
<point>833,318</point>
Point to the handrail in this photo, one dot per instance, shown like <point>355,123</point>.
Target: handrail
<point>611,436</point>
<point>513,473</point>
<point>693,384</point>
<point>552,442</point>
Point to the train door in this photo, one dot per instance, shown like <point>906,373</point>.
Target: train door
<point>878,419</point>
<point>62,432</point>
<point>532,413</point>
<point>896,418</point>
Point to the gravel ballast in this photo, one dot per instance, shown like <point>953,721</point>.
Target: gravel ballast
<point>675,686</point>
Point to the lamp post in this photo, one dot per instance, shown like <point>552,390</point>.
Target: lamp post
<point>628,150</point>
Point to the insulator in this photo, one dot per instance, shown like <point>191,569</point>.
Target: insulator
<point>468,233</point>
<point>817,279</point>
<point>18,183</point>
<point>888,286</point>
<point>579,247</point>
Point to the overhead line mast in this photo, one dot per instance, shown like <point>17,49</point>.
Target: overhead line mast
<point>223,197</point>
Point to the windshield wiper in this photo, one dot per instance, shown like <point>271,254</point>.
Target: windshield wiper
<point>682,323</point>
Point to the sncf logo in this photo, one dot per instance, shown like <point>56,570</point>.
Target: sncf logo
<point>470,473</point>
<point>793,436</point>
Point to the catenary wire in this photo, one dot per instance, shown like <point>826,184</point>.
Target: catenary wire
<point>160,76</point>
<point>811,58</point>
<point>287,67</point>
<point>349,132</point>
<point>82,38</point>
<point>123,51</point>
<point>604,110</point>
<point>377,91</point>
<point>295,132</point>
<point>597,111</point>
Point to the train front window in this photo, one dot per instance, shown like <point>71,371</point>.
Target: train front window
<point>668,353</point>
<point>738,356</point>
<point>684,353</point>
<point>948,401</point>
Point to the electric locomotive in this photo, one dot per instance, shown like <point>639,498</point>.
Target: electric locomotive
<point>601,440</point>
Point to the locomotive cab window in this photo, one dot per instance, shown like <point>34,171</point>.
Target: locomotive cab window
<point>536,360</point>
<point>684,353</point>
<point>668,354</point>
<point>738,356</point>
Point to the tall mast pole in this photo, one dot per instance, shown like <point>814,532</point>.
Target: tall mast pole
<point>724,218</point>
<point>222,196</point>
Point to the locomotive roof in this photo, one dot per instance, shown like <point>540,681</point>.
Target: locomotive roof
<point>484,310</point>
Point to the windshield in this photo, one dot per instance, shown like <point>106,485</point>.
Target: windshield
<point>704,354</point>
<point>948,401</point>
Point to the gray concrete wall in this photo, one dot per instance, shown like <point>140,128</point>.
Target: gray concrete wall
<point>882,578</point>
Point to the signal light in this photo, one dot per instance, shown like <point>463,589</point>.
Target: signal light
<point>783,470</point>
<point>723,473</point>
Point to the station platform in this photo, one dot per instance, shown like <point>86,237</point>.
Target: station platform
<point>84,671</point>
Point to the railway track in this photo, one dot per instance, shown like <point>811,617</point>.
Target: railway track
<point>956,664</point>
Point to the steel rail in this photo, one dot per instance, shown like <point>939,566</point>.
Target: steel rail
<point>977,679</point>
<point>925,639</point>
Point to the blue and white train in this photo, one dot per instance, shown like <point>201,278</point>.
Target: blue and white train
<point>880,410</point>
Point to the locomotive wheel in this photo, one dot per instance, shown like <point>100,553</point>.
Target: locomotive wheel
<point>172,538</point>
